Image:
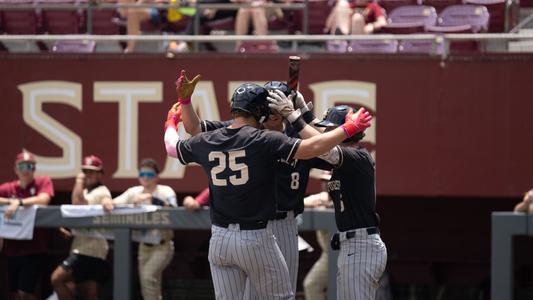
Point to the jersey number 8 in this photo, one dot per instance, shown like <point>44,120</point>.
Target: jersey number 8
<point>233,165</point>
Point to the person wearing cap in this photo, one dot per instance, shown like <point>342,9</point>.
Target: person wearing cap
<point>86,265</point>
<point>25,257</point>
<point>153,258</point>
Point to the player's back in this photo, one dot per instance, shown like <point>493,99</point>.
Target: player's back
<point>240,166</point>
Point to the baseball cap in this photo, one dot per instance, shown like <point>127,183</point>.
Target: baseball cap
<point>92,162</point>
<point>25,156</point>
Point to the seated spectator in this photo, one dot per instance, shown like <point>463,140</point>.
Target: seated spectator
<point>193,204</point>
<point>86,265</point>
<point>525,204</point>
<point>256,16</point>
<point>25,258</point>
<point>355,17</point>
<point>153,258</point>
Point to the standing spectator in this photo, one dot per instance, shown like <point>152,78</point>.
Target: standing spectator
<point>316,281</point>
<point>525,204</point>
<point>355,17</point>
<point>86,264</point>
<point>153,258</point>
<point>25,257</point>
<point>193,204</point>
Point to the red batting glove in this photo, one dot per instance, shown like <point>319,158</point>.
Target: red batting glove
<point>173,117</point>
<point>356,122</point>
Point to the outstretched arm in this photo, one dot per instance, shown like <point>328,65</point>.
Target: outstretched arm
<point>184,91</point>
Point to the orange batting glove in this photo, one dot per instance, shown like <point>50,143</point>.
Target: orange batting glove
<point>173,117</point>
<point>185,87</point>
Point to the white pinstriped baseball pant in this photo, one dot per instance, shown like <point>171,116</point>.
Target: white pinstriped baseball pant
<point>362,260</point>
<point>236,254</point>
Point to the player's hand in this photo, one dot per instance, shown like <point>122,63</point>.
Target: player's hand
<point>108,205</point>
<point>65,232</point>
<point>191,204</point>
<point>356,122</point>
<point>142,198</point>
<point>185,87</point>
<point>173,116</point>
<point>80,178</point>
<point>299,102</point>
<point>11,209</point>
<point>280,103</point>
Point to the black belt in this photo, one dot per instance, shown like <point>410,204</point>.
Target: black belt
<point>280,215</point>
<point>162,242</point>
<point>243,226</point>
<point>369,231</point>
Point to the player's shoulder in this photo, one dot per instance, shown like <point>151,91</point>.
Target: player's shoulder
<point>42,179</point>
<point>165,189</point>
<point>101,189</point>
<point>135,190</point>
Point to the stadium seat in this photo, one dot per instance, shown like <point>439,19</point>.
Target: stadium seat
<point>431,46</point>
<point>61,21</point>
<point>74,47</point>
<point>476,16</point>
<point>373,46</point>
<point>19,21</point>
<point>457,46</point>
<point>440,5</point>
<point>258,47</point>
<point>390,5</point>
<point>410,19</point>
<point>496,9</point>
<point>336,46</point>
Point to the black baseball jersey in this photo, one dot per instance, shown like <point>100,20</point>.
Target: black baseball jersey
<point>352,188</point>
<point>240,167</point>
<point>291,176</point>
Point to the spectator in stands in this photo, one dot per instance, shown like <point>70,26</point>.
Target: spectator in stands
<point>525,204</point>
<point>153,258</point>
<point>193,204</point>
<point>316,281</point>
<point>257,16</point>
<point>355,17</point>
<point>25,257</point>
<point>86,265</point>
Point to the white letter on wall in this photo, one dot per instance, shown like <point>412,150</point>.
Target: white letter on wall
<point>33,96</point>
<point>128,95</point>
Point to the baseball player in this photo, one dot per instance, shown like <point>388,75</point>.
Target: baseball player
<point>86,265</point>
<point>290,182</point>
<point>239,162</point>
<point>352,187</point>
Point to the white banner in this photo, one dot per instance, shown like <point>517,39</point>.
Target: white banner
<point>20,225</point>
<point>80,211</point>
<point>148,236</point>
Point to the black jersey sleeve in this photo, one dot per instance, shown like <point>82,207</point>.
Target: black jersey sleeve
<point>212,125</point>
<point>280,145</point>
<point>185,150</point>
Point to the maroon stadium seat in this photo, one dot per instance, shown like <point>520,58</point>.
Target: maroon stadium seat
<point>430,46</point>
<point>74,47</point>
<point>258,47</point>
<point>61,21</point>
<point>463,14</point>
<point>104,21</point>
<point>373,46</point>
<point>496,9</point>
<point>440,5</point>
<point>19,21</point>
<point>458,46</point>
<point>390,5</point>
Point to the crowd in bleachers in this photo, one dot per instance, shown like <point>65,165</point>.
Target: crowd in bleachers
<point>342,17</point>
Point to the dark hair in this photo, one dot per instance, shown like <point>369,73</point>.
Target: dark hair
<point>149,163</point>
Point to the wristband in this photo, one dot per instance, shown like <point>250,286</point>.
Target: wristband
<point>350,129</point>
<point>184,101</point>
<point>308,117</point>
<point>294,116</point>
<point>298,124</point>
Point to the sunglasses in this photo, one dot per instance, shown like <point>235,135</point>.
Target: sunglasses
<point>89,171</point>
<point>26,166</point>
<point>147,174</point>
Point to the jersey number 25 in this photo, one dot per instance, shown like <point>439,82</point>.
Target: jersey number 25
<point>220,157</point>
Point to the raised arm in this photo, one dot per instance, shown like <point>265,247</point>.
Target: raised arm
<point>77,197</point>
<point>184,91</point>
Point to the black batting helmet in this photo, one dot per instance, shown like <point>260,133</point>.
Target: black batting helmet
<point>278,85</point>
<point>251,98</point>
<point>334,117</point>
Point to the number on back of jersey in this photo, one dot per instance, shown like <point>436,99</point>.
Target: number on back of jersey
<point>241,170</point>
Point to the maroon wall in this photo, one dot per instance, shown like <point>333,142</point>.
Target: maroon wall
<point>458,128</point>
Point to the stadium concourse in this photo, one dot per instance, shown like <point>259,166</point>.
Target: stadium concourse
<point>446,81</point>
